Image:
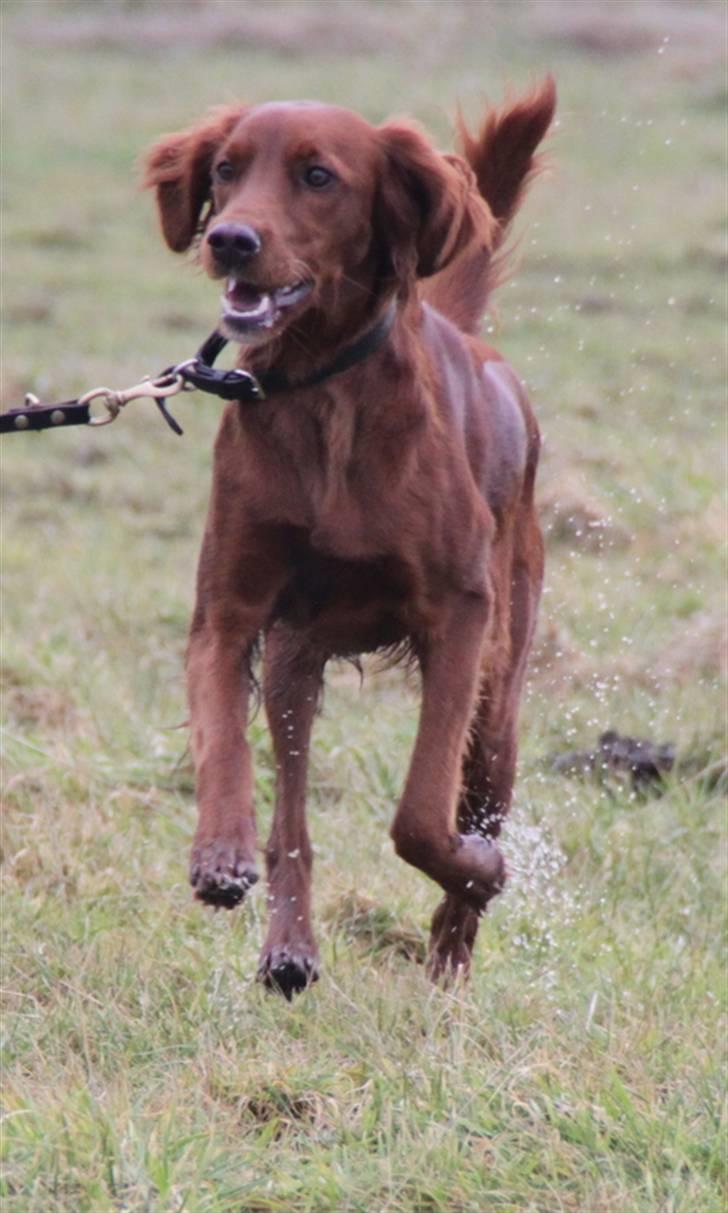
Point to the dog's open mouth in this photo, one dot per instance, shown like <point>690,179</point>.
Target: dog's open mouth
<point>247,308</point>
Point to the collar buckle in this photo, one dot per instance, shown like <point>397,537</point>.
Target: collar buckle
<point>236,384</point>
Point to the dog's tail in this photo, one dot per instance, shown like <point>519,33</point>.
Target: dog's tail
<point>502,158</point>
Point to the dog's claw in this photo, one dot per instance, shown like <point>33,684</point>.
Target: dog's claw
<point>216,889</point>
<point>287,973</point>
<point>219,877</point>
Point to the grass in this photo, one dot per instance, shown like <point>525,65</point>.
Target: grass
<point>582,1068</point>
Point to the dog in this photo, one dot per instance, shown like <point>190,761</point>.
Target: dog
<point>381,496</point>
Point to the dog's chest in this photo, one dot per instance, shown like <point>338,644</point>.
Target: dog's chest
<point>325,477</point>
<point>351,604</point>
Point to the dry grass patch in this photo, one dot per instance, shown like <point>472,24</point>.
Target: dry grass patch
<point>375,928</point>
<point>571,513</point>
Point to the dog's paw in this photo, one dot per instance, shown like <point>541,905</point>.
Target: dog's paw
<point>481,870</point>
<point>454,928</point>
<point>288,970</point>
<point>221,874</point>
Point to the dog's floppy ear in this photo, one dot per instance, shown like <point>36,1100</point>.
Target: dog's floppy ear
<point>428,208</point>
<point>178,167</point>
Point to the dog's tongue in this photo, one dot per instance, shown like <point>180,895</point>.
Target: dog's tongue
<point>243,296</point>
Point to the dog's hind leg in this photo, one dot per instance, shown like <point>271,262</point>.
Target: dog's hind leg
<point>293,674</point>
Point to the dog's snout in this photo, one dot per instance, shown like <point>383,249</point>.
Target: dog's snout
<point>232,243</point>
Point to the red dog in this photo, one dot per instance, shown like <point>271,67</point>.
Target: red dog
<point>381,497</point>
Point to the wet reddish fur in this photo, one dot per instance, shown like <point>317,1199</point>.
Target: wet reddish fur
<point>389,508</point>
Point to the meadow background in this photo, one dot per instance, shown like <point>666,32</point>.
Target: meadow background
<point>582,1068</point>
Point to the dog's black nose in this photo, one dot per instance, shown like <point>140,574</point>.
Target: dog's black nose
<point>232,243</point>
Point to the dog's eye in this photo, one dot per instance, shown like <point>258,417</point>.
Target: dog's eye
<point>317,177</point>
<point>224,171</point>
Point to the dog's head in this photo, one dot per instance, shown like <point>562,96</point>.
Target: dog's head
<point>300,205</point>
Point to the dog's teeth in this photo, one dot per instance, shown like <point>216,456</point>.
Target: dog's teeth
<point>250,313</point>
<point>260,307</point>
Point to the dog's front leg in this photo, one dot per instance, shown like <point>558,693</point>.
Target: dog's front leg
<point>425,828</point>
<point>293,672</point>
<point>234,600</point>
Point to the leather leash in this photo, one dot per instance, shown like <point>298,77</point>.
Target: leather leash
<point>195,373</point>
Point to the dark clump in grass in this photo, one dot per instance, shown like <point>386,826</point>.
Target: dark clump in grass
<point>288,1111</point>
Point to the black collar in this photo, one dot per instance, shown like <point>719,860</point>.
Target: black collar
<point>246,387</point>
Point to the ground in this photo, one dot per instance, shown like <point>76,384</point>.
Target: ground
<point>581,1070</point>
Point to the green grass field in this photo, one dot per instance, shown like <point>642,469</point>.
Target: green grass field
<point>582,1069</point>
